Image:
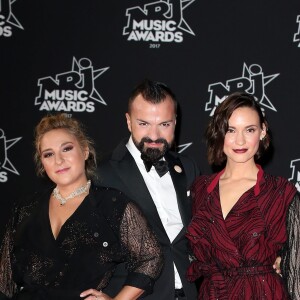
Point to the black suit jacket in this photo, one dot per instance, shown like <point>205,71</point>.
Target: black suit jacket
<point>121,172</point>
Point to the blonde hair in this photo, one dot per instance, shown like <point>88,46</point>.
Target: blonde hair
<point>73,127</point>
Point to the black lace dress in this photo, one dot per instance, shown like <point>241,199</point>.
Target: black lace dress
<point>105,230</point>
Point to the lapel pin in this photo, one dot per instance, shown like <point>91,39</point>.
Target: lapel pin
<point>177,169</point>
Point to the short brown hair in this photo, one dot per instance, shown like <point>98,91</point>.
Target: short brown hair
<point>218,126</point>
<point>73,127</point>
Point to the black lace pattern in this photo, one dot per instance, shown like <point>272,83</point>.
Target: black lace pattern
<point>291,251</point>
<point>105,230</point>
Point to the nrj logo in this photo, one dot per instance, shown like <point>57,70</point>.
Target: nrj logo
<point>5,163</point>
<point>297,35</point>
<point>252,81</point>
<point>7,18</point>
<point>295,166</point>
<point>72,91</point>
<point>183,147</point>
<point>159,21</point>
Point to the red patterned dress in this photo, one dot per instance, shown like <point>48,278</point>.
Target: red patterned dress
<point>235,255</point>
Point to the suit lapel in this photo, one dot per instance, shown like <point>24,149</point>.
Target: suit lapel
<point>179,180</point>
<point>134,184</point>
<point>136,189</point>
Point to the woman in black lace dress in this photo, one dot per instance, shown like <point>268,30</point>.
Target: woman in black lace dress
<point>65,243</point>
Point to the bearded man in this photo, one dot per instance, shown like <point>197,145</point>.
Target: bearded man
<point>158,180</point>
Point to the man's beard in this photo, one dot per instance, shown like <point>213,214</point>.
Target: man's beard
<point>151,154</point>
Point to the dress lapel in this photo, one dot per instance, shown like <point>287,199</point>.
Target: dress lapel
<point>230,228</point>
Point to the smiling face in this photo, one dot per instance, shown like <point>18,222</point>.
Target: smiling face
<point>152,126</point>
<point>243,136</point>
<point>63,159</point>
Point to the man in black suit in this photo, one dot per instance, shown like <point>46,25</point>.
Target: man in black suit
<point>135,168</point>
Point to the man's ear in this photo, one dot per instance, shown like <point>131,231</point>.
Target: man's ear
<point>128,119</point>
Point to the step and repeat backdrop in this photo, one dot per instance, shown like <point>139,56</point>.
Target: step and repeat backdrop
<point>84,58</point>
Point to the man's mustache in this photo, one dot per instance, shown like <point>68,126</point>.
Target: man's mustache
<point>148,140</point>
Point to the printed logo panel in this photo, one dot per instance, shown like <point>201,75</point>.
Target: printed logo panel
<point>6,165</point>
<point>7,18</point>
<point>183,147</point>
<point>252,81</point>
<point>297,34</point>
<point>158,22</point>
<point>295,166</point>
<point>71,91</point>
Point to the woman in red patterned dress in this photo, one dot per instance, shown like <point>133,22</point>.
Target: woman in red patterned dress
<point>243,218</point>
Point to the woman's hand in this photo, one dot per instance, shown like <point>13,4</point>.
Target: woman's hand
<point>92,294</point>
<point>276,265</point>
<point>126,293</point>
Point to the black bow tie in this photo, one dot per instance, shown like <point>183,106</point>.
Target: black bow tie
<point>160,166</point>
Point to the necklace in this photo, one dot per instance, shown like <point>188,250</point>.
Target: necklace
<point>81,190</point>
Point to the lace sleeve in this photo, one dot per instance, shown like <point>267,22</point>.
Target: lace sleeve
<point>145,258</point>
<point>291,251</point>
<point>7,285</point>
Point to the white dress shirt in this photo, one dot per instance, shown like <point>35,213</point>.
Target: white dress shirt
<point>164,196</point>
